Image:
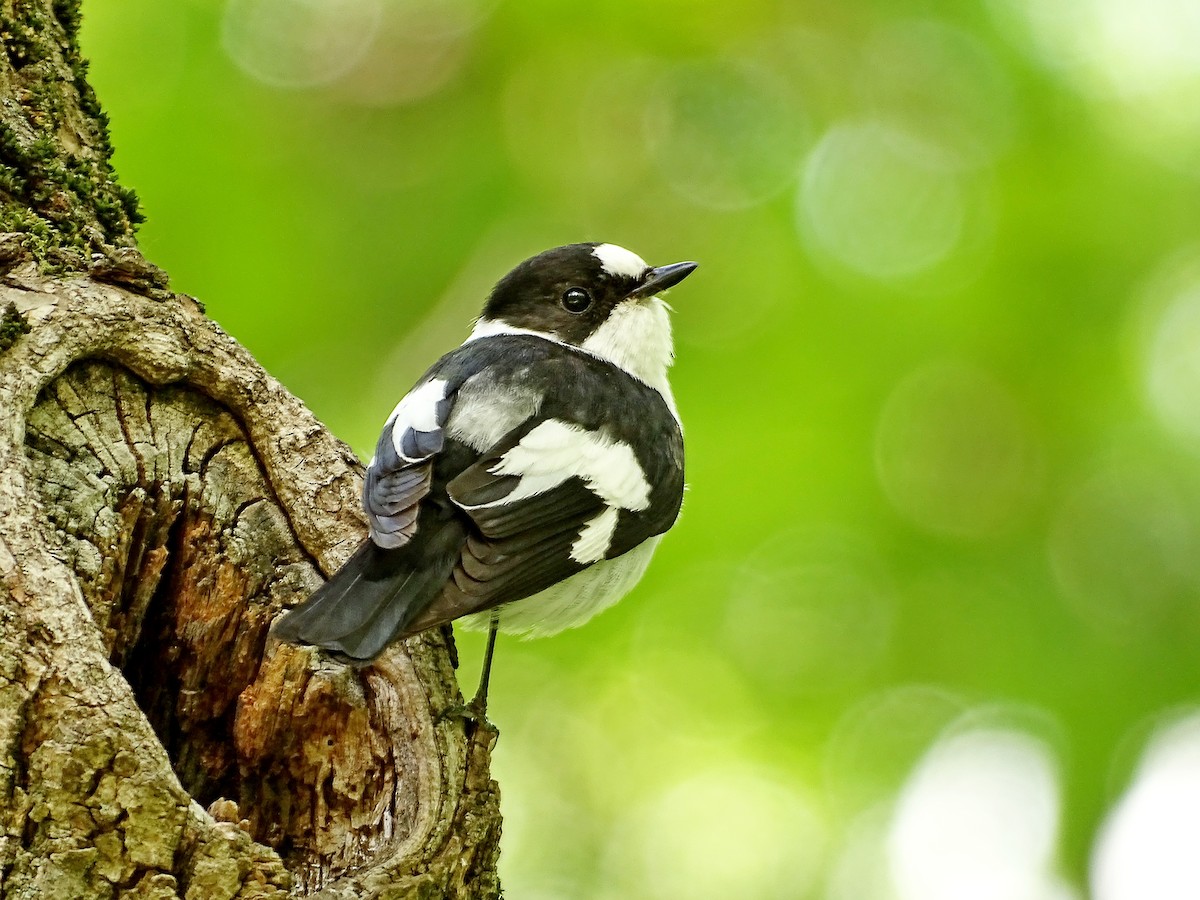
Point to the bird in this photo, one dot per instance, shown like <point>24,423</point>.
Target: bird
<point>523,484</point>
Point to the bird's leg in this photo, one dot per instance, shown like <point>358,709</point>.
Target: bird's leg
<point>475,712</point>
<point>479,702</point>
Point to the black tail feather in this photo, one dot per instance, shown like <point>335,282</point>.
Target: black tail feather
<point>371,599</point>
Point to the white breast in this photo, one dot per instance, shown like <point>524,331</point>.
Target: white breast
<point>572,602</point>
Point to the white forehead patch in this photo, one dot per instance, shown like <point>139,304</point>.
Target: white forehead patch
<point>619,261</point>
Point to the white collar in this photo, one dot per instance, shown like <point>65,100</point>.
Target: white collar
<point>598,345</point>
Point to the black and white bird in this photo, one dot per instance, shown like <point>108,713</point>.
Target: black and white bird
<point>525,481</point>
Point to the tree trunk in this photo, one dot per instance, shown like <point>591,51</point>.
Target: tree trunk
<point>161,500</point>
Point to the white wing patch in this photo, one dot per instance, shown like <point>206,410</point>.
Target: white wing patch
<point>555,451</point>
<point>618,261</point>
<point>596,537</point>
<point>417,411</point>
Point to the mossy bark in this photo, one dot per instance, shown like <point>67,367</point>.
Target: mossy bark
<point>57,187</point>
<point>161,500</point>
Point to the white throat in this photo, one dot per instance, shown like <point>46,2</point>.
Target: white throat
<point>635,337</point>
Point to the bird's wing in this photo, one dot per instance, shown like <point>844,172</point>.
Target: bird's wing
<point>547,502</point>
<point>400,474</point>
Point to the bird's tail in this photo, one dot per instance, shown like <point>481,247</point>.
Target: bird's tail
<point>367,602</point>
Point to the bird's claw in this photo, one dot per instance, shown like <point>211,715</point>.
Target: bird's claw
<point>473,715</point>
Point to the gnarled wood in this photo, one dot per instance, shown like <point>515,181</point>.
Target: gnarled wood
<point>161,500</point>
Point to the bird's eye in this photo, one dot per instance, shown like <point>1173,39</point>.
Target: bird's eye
<point>576,300</point>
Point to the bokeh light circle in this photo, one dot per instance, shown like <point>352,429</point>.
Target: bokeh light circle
<point>811,611</point>
<point>1147,845</point>
<point>1136,59</point>
<point>1125,550</point>
<point>419,48</point>
<point>731,831</point>
<point>978,818</point>
<point>1172,345</point>
<point>876,742</point>
<point>1121,48</point>
<point>939,81</point>
<point>299,43</point>
<point>859,871</point>
<point>881,200</point>
<point>955,453</point>
<point>725,135</point>
<point>595,116</point>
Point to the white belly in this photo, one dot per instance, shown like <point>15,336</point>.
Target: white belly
<point>570,603</point>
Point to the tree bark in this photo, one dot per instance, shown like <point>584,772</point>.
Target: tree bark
<point>162,499</point>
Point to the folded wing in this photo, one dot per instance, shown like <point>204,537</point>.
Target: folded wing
<point>399,476</point>
<point>545,503</point>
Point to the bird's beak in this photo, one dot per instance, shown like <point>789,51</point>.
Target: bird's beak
<point>661,278</point>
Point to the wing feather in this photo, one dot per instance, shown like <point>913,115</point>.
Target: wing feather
<point>400,475</point>
<point>567,506</point>
<point>532,498</point>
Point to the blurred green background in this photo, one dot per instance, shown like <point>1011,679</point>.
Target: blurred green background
<point>928,625</point>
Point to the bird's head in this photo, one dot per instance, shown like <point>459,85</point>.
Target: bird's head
<point>600,297</point>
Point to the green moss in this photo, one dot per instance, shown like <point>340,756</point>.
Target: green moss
<point>11,181</point>
<point>24,34</point>
<point>62,196</point>
<point>68,14</point>
<point>12,325</point>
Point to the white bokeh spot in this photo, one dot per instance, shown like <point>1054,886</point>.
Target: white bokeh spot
<point>299,43</point>
<point>1147,847</point>
<point>1172,366</point>
<point>978,818</point>
<point>1136,59</point>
